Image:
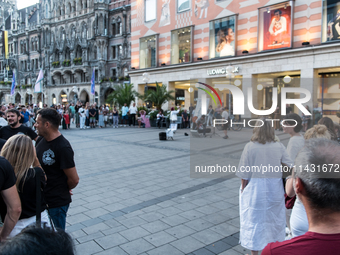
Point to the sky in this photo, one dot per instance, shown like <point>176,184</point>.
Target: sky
<point>25,3</point>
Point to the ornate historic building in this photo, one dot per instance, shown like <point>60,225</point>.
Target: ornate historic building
<point>68,40</point>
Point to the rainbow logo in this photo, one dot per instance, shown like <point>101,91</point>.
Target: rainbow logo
<point>208,92</point>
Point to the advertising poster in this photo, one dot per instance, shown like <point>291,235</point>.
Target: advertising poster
<point>222,37</point>
<point>277,28</point>
<point>333,20</point>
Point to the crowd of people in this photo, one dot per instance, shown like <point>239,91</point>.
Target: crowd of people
<point>292,214</point>
<point>279,214</point>
<point>37,172</point>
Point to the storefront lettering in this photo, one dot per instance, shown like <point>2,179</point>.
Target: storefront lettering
<point>221,70</point>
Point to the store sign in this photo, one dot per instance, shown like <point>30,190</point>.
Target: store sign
<point>222,70</point>
<point>180,98</point>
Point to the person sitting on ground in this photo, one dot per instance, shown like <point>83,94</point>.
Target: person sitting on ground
<point>141,119</point>
<point>160,117</point>
<point>328,122</point>
<point>21,161</point>
<point>39,241</point>
<point>201,125</point>
<point>320,195</point>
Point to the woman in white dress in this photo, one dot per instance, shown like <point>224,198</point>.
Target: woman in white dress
<point>262,206</point>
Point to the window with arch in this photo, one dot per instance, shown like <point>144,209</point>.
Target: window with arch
<point>84,31</point>
<point>119,27</point>
<point>69,8</point>
<point>75,6</point>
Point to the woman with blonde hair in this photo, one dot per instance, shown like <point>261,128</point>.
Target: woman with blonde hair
<point>328,122</point>
<point>262,206</point>
<point>21,154</point>
<point>318,131</point>
<point>298,218</point>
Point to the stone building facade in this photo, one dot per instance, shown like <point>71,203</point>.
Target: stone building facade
<point>263,45</point>
<point>68,40</point>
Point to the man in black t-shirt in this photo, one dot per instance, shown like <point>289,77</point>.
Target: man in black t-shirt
<point>55,155</point>
<point>92,113</point>
<point>14,126</point>
<point>10,195</point>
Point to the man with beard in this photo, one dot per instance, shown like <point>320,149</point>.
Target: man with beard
<point>56,157</point>
<point>15,127</point>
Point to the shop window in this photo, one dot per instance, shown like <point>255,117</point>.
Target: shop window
<point>222,37</point>
<point>331,20</point>
<point>180,97</point>
<point>181,45</point>
<point>183,5</point>
<point>275,27</point>
<point>150,10</point>
<point>148,52</point>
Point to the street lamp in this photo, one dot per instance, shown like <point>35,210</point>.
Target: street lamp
<point>230,75</point>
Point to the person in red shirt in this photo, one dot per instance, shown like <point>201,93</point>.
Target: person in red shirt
<point>317,184</point>
<point>67,119</point>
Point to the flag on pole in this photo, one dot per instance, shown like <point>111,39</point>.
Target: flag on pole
<point>93,83</point>
<point>38,87</point>
<point>13,84</point>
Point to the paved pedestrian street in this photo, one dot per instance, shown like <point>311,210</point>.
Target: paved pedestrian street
<point>136,195</point>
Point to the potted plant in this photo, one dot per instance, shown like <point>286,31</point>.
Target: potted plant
<point>66,62</point>
<point>158,96</point>
<point>55,64</point>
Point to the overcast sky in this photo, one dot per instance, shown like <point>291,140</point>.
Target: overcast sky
<point>25,3</point>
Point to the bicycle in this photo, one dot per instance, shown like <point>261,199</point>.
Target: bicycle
<point>236,127</point>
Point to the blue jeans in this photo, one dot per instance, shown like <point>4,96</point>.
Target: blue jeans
<point>58,216</point>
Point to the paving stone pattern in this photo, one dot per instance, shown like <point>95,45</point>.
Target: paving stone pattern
<point>136,196</point>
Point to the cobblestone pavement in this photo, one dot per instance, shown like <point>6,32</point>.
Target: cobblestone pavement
<point>136,196</point>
